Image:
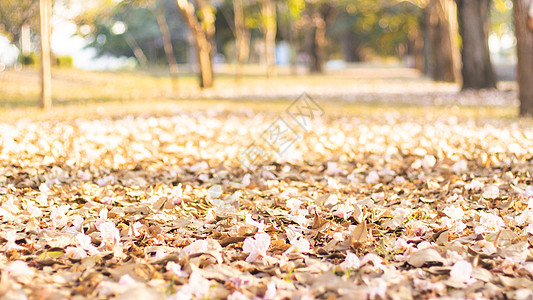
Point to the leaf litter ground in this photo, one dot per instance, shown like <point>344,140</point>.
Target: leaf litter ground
<point>378,206</point>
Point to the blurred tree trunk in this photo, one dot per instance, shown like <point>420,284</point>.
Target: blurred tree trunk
<point>137,51</point>
<point>417,48</point>
<point>477,70</point>
<point>441,36</point>
<point>45,10</point>
<point>287,31</point>
<point>167,40</point>
<point>201,22</point>
<point>320,16</point>
<point>351,47</point>
<point>524,48</point>
<point>242,37</point>
<point>269,28</point>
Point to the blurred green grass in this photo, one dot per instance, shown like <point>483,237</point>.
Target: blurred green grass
<point>91,94</point>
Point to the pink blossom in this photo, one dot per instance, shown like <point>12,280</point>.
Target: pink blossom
<point>299,244</point>
<point>175,269</point>
<point>127,280</point>
<point>332,183</point>
<point>455,213</point>
<point>350,262</point>
<point>34,211</point>
<point>85,243</point>
<point>372,177</point>
<point>424,245</point>
<point>417,227</point>
<point>487,247</point>
<point>197,286</point>
<point>215,191</point>
<point>427,285</point>
<point>19,268</point>
<point>491,192</point>
<point>159,255</point>
<point>76,225</point>
<point>271,291</point>
<point>11,237</point>
<point>75,252</point>
<point>110,234</point>
<point>401,212</point>
<point>293,204</point>
<point>285,264</point>
<point>474,185</point>
<point>459,166</point>
<point>256,246</point>
<point>429,161</point>
<point>10,206</point>
<point>6,215</point>
<point>459,226</point>
<point>107,288</point>
<point>300,218</point>
<point>44,189</point>
<point>377,287</point>
<point>525,217</point>
<point>400,245</point>
<point>58,217</point>
<point>198,246</point>
<point>134,229</point>
<point>107,200</point>
<point>489,223</point>
<point>461,272</point>
<point>376,260</point>
<point>238,296</point>
<point>260,225</point>
<point>102,217</point>
<point>343,211</point>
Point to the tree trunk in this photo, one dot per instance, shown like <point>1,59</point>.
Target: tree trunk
<point>25,39</point>
<point>242,38</point>
<point>351,47</point>
<point>268,12</point>
<point>202,28</point>
<point>477,70</point>
<point>443,60</point>
<point>167,39</point>
<point>317,53</point>
<point>418,49</point>
<point>45,9</point>
<point>137,51</point>
<point>524,48</point>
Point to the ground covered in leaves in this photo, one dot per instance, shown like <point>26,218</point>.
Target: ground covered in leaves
<point>379,206</point>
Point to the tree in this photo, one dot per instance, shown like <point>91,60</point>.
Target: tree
<point>524,48</point>
<point>148,30</point>
<point>320,15</point>
<point>242,36</point>
<point>269,29</point>
<point>45,9</point>
<point>441,46</point>
<point>201,22</point>
<point>14,14</point>
<point>477,70</point>
<point>167,38</point>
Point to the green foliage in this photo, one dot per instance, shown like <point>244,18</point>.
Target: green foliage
<point>141,27</point>
<point>15,13</point>
<point>64,61</point>
<point>378,28</point>
<point>28,59</point>
<point>501,18</point>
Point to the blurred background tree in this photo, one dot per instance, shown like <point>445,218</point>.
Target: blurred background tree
<point>132,29</point>
<point>18,19</point>
<point>424,34</point>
